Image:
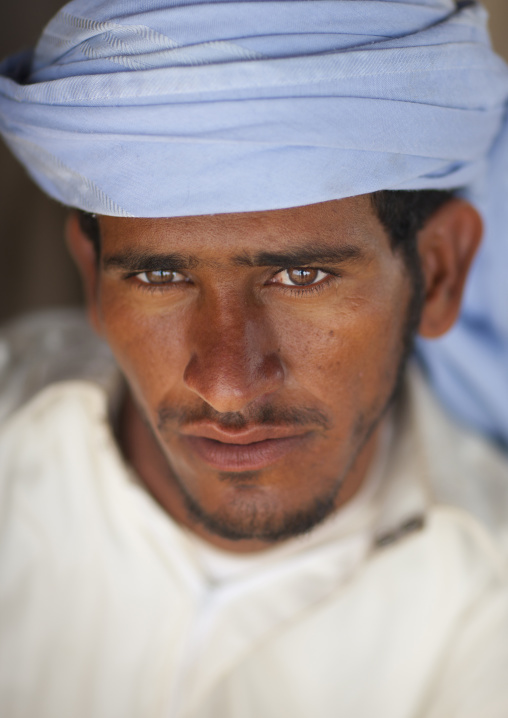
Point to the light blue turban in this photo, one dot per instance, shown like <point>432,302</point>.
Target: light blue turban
<point>170,107</point>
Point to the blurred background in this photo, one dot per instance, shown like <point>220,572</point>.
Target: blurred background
<point>35,271</point>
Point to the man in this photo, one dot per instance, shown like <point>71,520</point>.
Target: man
<point>257,509</point>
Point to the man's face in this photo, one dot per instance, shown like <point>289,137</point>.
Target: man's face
<point>262,350</point>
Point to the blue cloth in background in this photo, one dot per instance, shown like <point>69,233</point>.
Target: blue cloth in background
<point>169,108</point>
<point>469,365</point>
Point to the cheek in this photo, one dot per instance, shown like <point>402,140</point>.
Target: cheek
<point>149,347</point>
<point>347,352</point>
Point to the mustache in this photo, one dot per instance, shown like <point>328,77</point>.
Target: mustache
<point>271,415</point>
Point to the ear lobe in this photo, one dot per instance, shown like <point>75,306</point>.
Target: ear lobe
<point>447,245</point>
<point>83,253</point>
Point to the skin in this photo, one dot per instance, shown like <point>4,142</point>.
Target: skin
<point>217,330</point>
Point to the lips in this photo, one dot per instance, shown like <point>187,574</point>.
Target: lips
<point>246,450</point>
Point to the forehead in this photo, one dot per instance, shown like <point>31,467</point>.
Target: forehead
<point>350,221</point>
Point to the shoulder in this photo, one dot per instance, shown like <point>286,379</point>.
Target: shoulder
<point>47,347</point>
<point>58,383</point>
<point>465,476</point>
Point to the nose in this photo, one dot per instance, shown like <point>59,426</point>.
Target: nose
<point>233,358</point>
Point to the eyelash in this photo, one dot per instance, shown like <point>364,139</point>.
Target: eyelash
<point>154,288</point>
<point>309,289</point>
<point>292,290</point>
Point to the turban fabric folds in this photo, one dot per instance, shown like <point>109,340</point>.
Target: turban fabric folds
<point>162,108</point>
<point>171,108</point>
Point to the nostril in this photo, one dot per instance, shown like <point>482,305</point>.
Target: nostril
<point>191,371</point>
<point>273,368</point>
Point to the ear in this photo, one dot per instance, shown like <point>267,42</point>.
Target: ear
<point>447,245</point>
<point>83,253</point>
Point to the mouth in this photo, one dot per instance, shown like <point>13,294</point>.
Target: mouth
<point>243,451</point>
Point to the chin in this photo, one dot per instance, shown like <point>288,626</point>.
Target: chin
<point>252,513</point>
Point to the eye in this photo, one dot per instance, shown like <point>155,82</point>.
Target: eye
<point>299,276</point>
<point>161,276</point>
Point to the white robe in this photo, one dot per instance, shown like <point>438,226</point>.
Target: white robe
<point>397,607</point>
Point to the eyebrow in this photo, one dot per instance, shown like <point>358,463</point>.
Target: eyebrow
<point>300,256</point>
<point>137,260</point>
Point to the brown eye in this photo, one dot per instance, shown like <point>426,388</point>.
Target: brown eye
<point>299,276</point>
<point>302,277</point>
<point>161,276</point>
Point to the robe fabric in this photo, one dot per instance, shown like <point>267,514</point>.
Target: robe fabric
<point>396,606</point>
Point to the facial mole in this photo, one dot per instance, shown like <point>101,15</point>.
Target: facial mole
<point>331,333</point>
